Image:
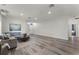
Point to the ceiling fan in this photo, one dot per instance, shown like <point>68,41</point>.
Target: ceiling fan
<point>50,6</point>
<point>4,12</point>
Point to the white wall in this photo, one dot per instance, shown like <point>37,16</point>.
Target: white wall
<point>78,27</point>
<point>57,28</point>
<point>13,20</point>
<point>0,25</point>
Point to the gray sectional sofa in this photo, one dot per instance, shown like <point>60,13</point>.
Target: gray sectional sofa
<point>6,44</point>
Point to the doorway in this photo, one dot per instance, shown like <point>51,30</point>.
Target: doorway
<point>73,29</point>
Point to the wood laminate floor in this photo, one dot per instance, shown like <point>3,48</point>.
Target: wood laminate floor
<point>40,45</point>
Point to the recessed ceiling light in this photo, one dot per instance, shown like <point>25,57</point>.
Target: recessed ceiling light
<point>21,14</point>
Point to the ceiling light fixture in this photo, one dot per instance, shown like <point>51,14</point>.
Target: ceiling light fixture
<point>50,6</point>
<point>49,12</point>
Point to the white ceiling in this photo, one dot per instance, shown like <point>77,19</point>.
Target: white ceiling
<point>41,10</point>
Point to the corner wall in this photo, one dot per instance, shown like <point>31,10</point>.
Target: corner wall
<point>12,20</point>
<point>57,28</point>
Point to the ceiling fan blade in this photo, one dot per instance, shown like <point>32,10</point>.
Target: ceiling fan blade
<point>51,5</point>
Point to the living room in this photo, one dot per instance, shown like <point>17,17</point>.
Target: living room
<point>39,29</point>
